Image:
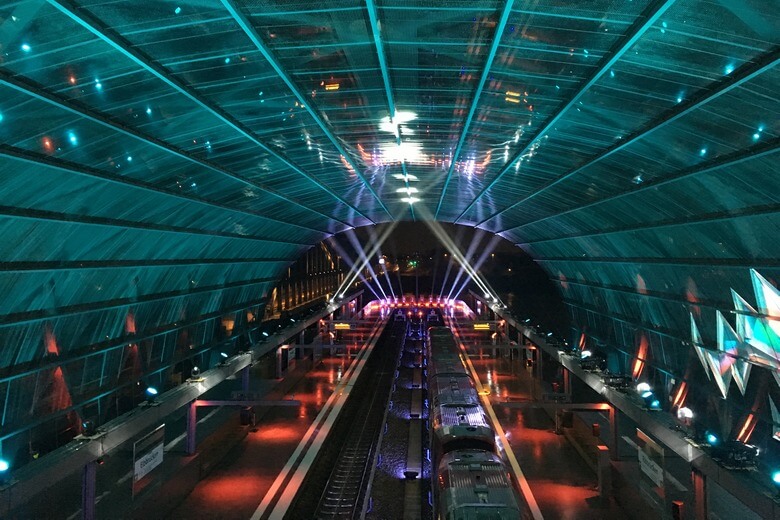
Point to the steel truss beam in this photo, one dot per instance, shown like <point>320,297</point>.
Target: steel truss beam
<point>85,19</point>
<point>742,75</point>
<point>507,10</point>
<point>30,88</point>
<point>380,54</point>
<point>645,20</point>
<point>244,23</point>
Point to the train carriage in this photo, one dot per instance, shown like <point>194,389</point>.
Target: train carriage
<point>474,485</point>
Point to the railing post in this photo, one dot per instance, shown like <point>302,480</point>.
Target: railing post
<point>192,423</point>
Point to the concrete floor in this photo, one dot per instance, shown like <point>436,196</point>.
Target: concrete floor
<point>237,486</point>
<point>564,485</point>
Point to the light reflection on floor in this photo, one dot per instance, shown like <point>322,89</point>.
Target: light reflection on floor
<point>563,484</point>
<point>239,483</point>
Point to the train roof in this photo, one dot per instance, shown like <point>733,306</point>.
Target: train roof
<point>460,415</point>
<point>467,398</point>
<point>473,485</point>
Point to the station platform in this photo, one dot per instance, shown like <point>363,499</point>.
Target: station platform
<point>564,485</point>
<point>240,481</point>
<point>234,464</point>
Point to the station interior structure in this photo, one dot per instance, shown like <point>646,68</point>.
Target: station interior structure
<point>173,175</point>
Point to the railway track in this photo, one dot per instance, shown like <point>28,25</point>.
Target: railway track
<point>344,493</point>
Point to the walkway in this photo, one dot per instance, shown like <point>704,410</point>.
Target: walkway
<point>564,485</point>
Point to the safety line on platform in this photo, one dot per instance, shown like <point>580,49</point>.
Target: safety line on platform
<point>525,488</point>
<point>278,498</point>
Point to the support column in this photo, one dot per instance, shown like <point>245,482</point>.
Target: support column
<point>245,379</point>
<point>614,433</point>
<point>88,490</point>
<point>699,494</point>
<point>192,423</point>
<point>539,365</point>
<point>605,472</point>
<point>567,383</point>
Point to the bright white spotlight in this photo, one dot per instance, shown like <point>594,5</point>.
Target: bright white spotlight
<point>585,354</point>
<point>406,151</point>
<point>642,388</point>
<point>685,413</point>
<point>401,117</point>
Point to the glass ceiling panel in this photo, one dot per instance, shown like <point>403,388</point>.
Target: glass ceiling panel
<point>530,44</point>
<point>81,196</point>
<point>22,289</point>
<point>723,192</point>
<point>198,150</point>
<point>734,121</point>
<point>176,116</point>
<point>606,109</point>
<point>711,240</point>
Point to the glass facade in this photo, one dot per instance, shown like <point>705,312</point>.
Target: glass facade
<point>162,164</point>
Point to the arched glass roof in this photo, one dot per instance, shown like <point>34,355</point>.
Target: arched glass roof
<point>175,157</point>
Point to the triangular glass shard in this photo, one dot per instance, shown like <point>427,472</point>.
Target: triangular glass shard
<point>746,316</point>
<point>775,419</point>
<point>721,371</point>
<point>767,299</point>
<point>700,351</point>
<point>735,353</point>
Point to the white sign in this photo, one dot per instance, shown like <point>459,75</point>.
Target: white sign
<point>650,468</point>
<point>148,462</point>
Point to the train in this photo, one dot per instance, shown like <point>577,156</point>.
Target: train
<point>470,479</point>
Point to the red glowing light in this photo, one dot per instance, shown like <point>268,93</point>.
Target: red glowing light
<point>639,362</point>
<point>747,428</point>
<point>130,323</point>
<point>679,397</point>
<point>50,341</point>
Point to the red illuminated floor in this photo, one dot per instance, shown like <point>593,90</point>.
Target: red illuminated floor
<point>238,485</point>
<point>564,486</point>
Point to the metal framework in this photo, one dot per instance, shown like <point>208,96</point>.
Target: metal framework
<point>251,33</point>
<point>629,149</point>
<point>38,92</point>
<point>646,20</point>
<point>380,54</point>
<point>732,160</point>
<point>83,18</point>
<point>723,86</point>
<point>500,27</point>
<point>23,155</point>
